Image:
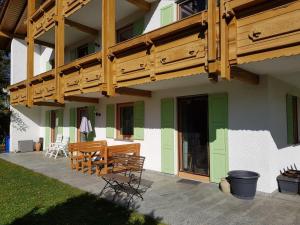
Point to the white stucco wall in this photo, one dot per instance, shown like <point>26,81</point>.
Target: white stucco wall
<point>25,125</point>
<point>152,18</point>
<point>257,126</point>
<point>42,55</point>
<point>18,69</point>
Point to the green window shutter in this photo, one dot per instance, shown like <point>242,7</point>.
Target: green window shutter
<point>47,129</point>
<point>110,121</point>
<point>218,136</point>
<point>167,15</point>
<point>290,119</point>
<point>73,54</point>
<point>91,113</point>
<point>72,125</point>
<point>91,48</point>
<point>167,135</point>
<point>138,27</point>
<point>139,117</point>
<point>60,117</point>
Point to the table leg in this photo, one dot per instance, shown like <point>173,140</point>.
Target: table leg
<point>90,164</point>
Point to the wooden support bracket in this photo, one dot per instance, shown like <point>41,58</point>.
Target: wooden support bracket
<point>244,75</point>
<point>141,4</point>
<point>133,92</point>
<point>81,27</point>
<point>81,99</point>
<point>53,104</point>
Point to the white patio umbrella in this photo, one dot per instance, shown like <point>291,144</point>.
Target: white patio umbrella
<point>85,126</point>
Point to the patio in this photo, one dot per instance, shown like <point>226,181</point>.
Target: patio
<point>177,201</point>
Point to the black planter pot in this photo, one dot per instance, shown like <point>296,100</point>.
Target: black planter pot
<point>243,183</point>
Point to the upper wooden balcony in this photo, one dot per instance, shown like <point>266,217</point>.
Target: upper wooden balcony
<point>71,6</point>
<point>43,18</point>
<point>18,93</point>
<point>43,87</point>
<point>83,75</point>
<point>261,29</point>
<point>178,49</point>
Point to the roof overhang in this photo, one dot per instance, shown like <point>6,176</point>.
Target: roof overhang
<point>13,14</point>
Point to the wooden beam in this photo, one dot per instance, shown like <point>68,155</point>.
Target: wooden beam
<point>141,4</point>
<point>133,92</point>
<point>59,48</point>
<point>10,36</point>
<point>244,75</point>
<point>30,50</point>
<point>224,35</point>
<point>54,104</point>
<point>81,99</point>
<point>108,40</point>
<point>81,27</point>
<point>39,42</point>
<point>212,37</point>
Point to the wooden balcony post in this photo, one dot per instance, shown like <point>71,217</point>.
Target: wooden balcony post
<point>224,36</point>
<point>108,40</point>
<point>30,49</point>
<point>212,49</point>
<point>59,47</point>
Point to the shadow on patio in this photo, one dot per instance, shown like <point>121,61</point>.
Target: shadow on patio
<point>86,209</point>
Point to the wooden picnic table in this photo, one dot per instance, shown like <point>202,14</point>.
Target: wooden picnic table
<point>89,150</point>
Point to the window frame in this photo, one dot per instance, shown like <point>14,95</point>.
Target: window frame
<point>178,3</point>
<point>118,121</point>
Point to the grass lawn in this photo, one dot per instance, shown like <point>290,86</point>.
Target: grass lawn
<point>30,198</point>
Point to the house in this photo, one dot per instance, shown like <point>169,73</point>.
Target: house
<point>205,86</point>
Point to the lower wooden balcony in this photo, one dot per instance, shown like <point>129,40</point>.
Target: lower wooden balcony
<point>82,76</point>
<point>176,50</point>
<point>18,93</point>
<point>43,87</point>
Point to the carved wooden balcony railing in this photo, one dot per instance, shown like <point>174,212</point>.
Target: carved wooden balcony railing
<point>178,49</point>
<point>43,87</point>
<point>44,18</point>
<point>71,6</point>
<point>261,29</point>
<point>18,93</point>
<point>83,75</point>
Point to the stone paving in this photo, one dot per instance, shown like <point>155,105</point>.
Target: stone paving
<point>177,201</point>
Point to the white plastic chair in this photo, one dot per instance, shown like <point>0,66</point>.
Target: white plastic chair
<point>52,145</point>
<point>61,148</point>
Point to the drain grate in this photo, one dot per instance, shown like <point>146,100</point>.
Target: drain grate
<point>185,181</point>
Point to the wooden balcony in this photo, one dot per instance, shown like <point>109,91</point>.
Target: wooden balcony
<point>43,87</point>
<point>176,50</point>
<point>83,75</point>
<point>261,29</point>
<point>71,6</point>
<point>18,93</point>
<point>44,18</point>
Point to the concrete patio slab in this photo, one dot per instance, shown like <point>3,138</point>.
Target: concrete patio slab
<point>177,202</point>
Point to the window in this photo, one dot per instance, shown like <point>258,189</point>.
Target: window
<point>189,7</point>
<point>292,119</point>
<point>125,121</point>
<point>125,33</point>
